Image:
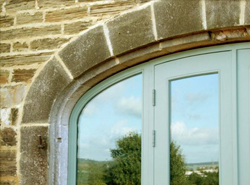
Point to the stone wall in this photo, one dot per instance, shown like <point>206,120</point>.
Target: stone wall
<point>31,31</point>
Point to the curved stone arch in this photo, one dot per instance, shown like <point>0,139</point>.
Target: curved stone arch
<point>152,30</point>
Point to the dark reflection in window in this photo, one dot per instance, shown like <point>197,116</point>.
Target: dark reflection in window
<point>109,136</point>
<point>194,146</point>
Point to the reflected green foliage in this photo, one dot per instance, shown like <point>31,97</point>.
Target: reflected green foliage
<point>126,166</point>
<point>177,165</point>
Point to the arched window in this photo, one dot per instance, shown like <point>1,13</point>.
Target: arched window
<point>186,112</point>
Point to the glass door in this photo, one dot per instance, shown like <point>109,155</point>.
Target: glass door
<point>193,120</point>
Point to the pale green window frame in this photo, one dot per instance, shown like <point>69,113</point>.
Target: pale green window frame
<point>240,110</point>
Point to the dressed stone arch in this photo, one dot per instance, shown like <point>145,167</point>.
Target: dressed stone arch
<point>154,29</point>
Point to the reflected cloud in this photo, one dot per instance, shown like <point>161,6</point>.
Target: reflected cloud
<point>131,106</point>
<point>195,135</point>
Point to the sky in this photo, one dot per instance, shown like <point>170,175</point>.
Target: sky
<point>117,111</point>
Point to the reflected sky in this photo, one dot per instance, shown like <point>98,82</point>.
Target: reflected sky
<point>195,116</point>
<point>110,115</point>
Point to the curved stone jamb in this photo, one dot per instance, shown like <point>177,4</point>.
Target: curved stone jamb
<point>152,30</point>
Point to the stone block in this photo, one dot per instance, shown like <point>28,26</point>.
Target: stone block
<point>47,85</point>
<point>76,27</point>
<point>47,43</point>
<point>87,51</point>
<point>20,46</point>
<point>113,8</point>
<point>7,163</point>
<point>66,14</point>
<point>247,13</point>
<point>221,14</point>
<point>4,117</point>
<point>13,116</point>
<point>22,75</point>
<point>15,60</point>
<point>6,21</point>
<point>175,18</point>
<point>30,32</point>
<point>8,137</point>
<point>4,75</point>
<point>33,161</point>
<point>131,30</point>
<point>4,47</point>
<point>12,6</point>
<point>27,18</point>
<point>44,4</point>
<point>12,95</point>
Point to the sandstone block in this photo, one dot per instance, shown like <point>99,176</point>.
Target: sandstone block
<point>6,21</point>
<point>12,95</point>
<point>247,13</point>
<point>13,6</point>
<point>33,159</point>
<point>14,60</point>
<point>20,46</point>
<point>43,4</point>
<point>47,43</point>
<point>66,14</point>
<point>87,51</point>
<point>23,75</point>
<point>51,80</point>
<point>27,18</point>
<point>177,17</point>
<point>8,137</point>
<point>221,14</point>
<point>111,8</point>
<point>30,32</point>
<point>131,30</point>
<point>13,116</point>
<point>4,75</point>
<point>76,27</point>
<point>7,163</point>
<point>4,48</point>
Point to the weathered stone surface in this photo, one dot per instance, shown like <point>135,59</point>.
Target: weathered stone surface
<point>13,6</point>
<point>6,21</point>
<point>14,60</point>
<point>7,137</point>
<point>12,95</point>
<point>47,43</point>
<point>4,75</point>
<point>51,80</point>
<point>131,30</point>
<point>13,116</point>
<point>20,46</point>
<point>66,14</point>
<point>4,47</point>
<point>247,13</point>
<point>87,51</point>
<point>44,4</point>
<point>221,14</point>
<point>7,163</point>
<point>30,32</point>
<point>27,18</point>
<point>177,17</point>
<point>111,8</point>
<point>33,162</point>
<point>23,75</point>
<point>76,27</point>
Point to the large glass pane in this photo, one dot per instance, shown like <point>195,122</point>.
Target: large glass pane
<point>109,136</point>
<point>194,120</point>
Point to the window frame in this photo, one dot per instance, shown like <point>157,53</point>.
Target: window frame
<point>147,71</point>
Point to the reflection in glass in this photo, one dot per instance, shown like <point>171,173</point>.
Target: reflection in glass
<point>109,136</point>
<point>194,146</point>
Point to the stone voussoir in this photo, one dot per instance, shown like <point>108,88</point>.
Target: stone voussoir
<point>177,17</point>
<point>222,14</point>
<point>88,50</point>
<point>47,85</point>
<point>131,30</point>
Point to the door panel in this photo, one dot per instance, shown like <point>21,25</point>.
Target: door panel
<point>213,63</point>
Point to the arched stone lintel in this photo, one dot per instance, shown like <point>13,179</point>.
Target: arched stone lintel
<point>157,29</point>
